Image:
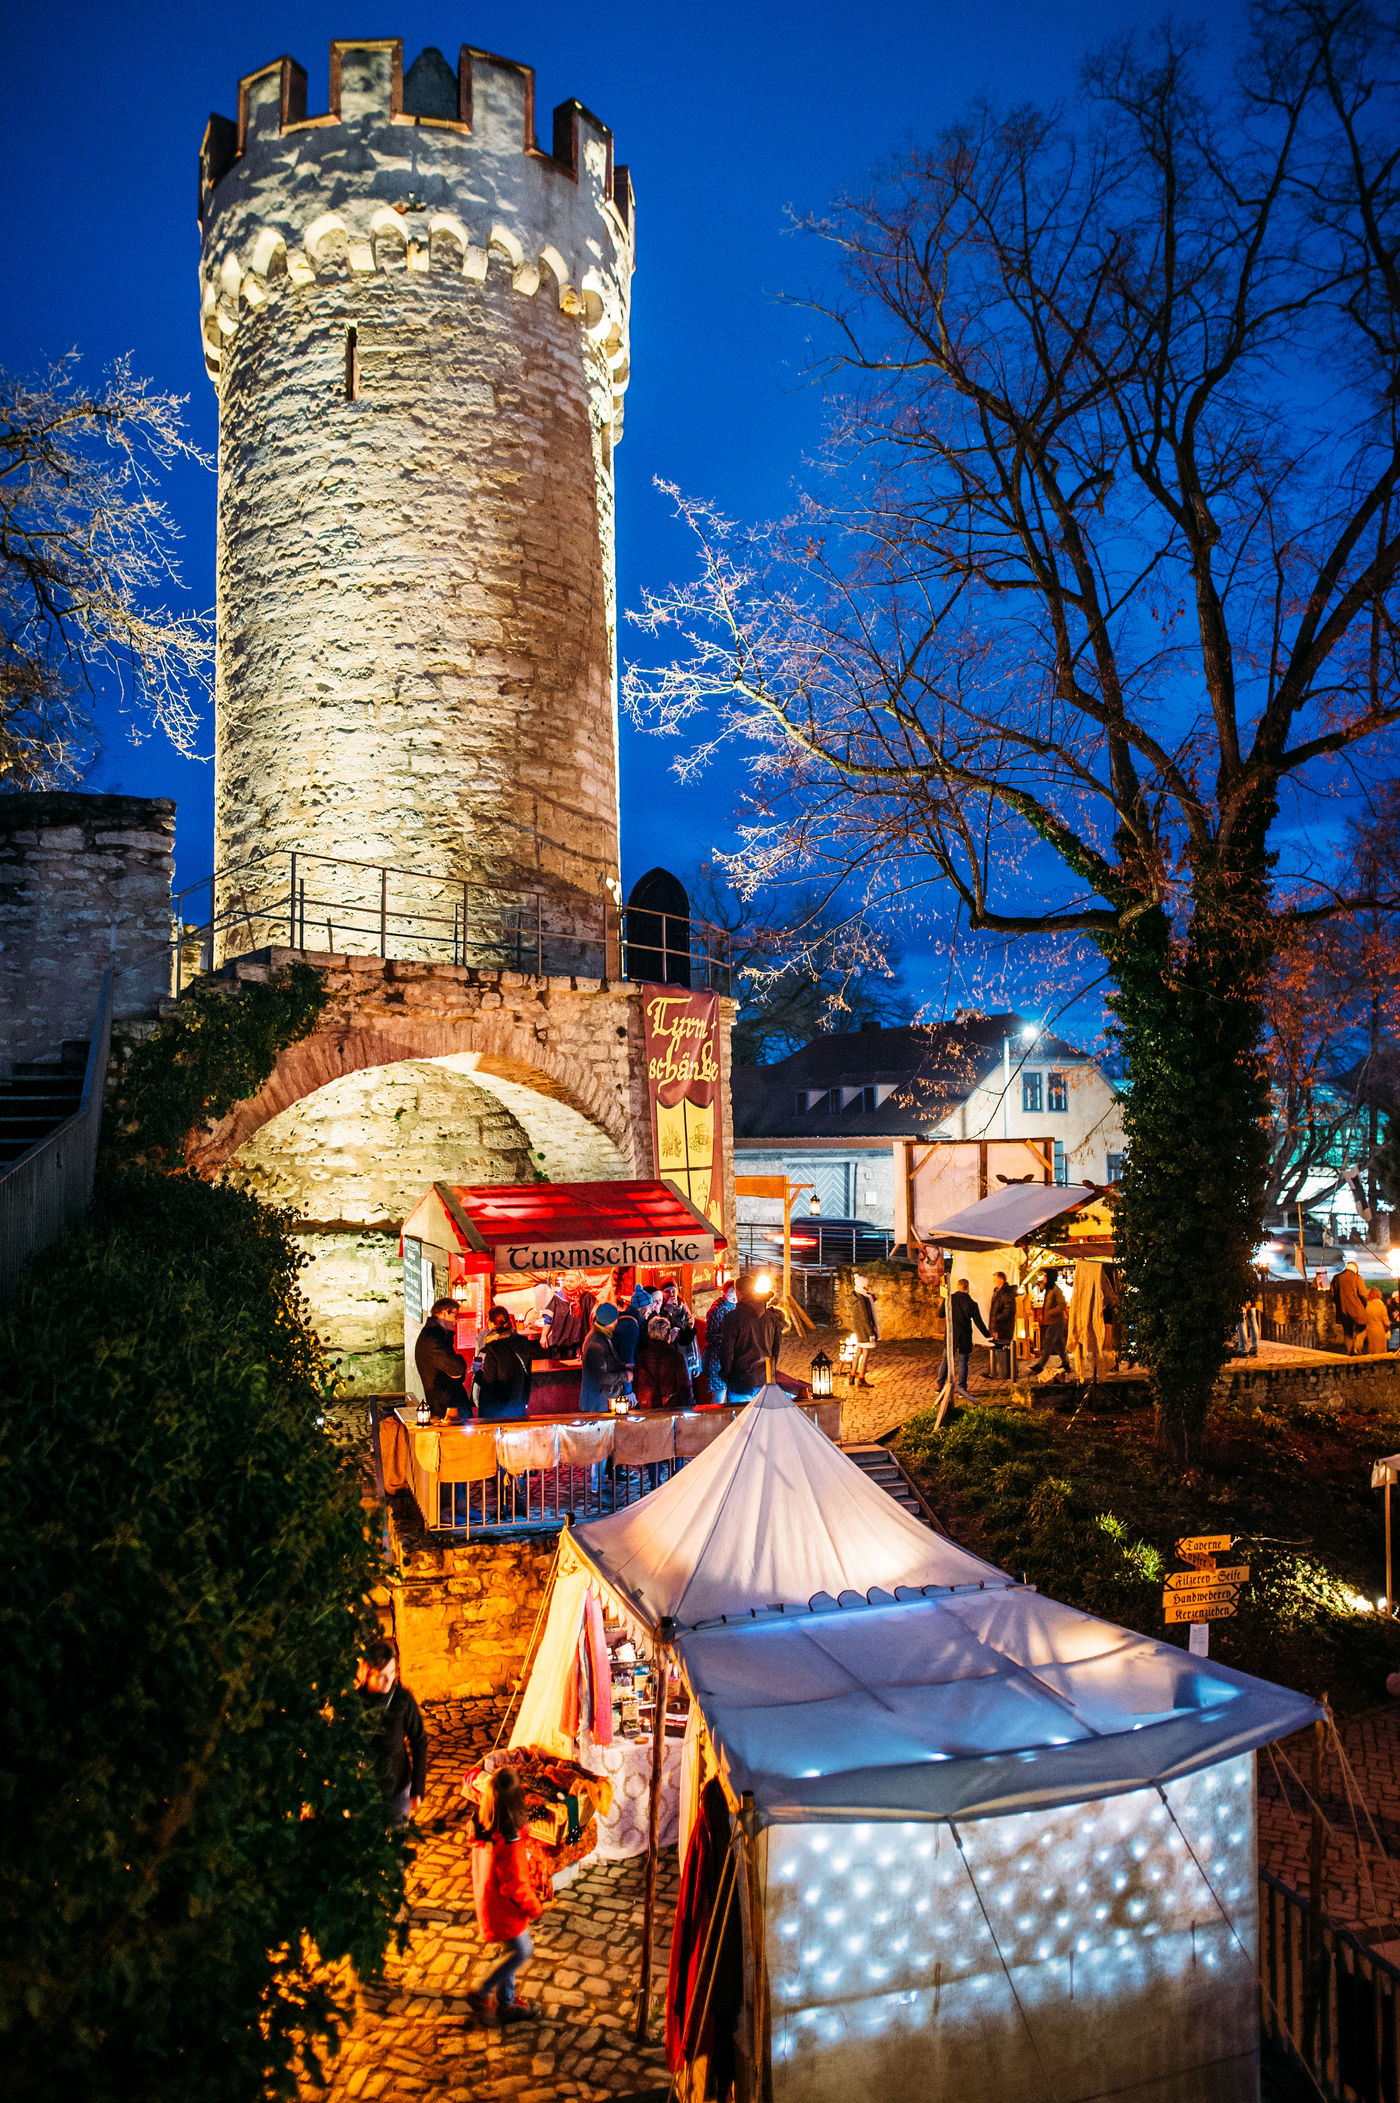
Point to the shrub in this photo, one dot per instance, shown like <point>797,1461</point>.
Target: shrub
<point>216,1050</point>
<point>191,1831</point>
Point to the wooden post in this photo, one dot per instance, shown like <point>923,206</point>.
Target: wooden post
<point>761,2031</point>
<point>1388,1593</point>
<point>664,1634</point>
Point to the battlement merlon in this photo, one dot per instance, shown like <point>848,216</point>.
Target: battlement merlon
<point>424,172</point>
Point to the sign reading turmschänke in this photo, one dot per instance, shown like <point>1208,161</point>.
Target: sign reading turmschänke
<point>621,1251</point>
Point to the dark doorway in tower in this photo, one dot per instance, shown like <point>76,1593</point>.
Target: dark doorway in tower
<point>658,930</point>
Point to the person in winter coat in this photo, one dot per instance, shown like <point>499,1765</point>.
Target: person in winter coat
<point>1054,1325</point>
<point>748,1343</point>
<point>605,1378</point>
<point>1377,1324</point>
<point>720,1311</point>
<point>1349,1300</point>
<point>1001,1320</point>
<point>963,1311</point>
<point>506,1903</point>
<point>503,1370</point>
<point>441,1368</point>
<point>660,1378</point>
<point>632,1325</point>
<point>397,1737</point>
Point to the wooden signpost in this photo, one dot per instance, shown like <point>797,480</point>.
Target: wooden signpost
<point>1204,1592</point>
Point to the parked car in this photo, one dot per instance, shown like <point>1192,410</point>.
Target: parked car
<point>817,1244</point>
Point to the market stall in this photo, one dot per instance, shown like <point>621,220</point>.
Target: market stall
<point>549,1252</point>
<point>1025,1227</point>
<point>771,1515</point>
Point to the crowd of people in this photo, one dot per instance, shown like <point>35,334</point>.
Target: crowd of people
<point>650,1353</point>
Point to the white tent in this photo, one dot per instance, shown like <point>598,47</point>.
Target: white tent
<point>772,1515</point>
<point>989,1846</point>
<point>969,1705</point>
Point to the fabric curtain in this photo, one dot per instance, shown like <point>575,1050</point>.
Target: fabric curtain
<point>528,1448</point>
<point>642,1441</point>
<point>395,1457</point>
<point>468,1454</point>
<point>539,1720</point>
<point>1087,1336</point>
<point>584,1445</point>
<point>697,2035</point>
<point>695,1433</point>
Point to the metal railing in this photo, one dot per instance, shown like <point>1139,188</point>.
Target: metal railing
<point>46,1191</point>
<point>328,902</point>
<point>1328,2000</point>
<point>547,1469</point>
<point>817,1244</point>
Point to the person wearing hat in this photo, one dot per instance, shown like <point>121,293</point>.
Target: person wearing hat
<point>748,1343</point>
<point>605,1377</point>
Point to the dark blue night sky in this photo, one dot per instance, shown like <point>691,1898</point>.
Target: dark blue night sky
<point>726,115</point>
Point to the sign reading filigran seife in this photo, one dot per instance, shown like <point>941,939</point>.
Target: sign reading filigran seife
<point>683,1087</point>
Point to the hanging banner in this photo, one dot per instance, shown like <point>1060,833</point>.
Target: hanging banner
<point>683,1087</point>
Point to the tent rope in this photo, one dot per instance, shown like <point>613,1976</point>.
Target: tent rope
<point>1253,1962</point>
<point>1355,1796</point>
<point>519,1687</point>
<point>1050,2088</point>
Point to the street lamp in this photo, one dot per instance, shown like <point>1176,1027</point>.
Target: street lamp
<point>821,1374</point>
<point>1027,1034</point>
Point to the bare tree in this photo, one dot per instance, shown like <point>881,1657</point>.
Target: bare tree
<point>1105,576</point>
<point>86,555</point>
<point>802,967</point>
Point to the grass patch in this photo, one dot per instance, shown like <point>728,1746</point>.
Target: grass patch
<point>1090,1512</point>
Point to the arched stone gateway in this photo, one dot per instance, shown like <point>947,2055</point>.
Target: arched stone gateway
<point>417,1073</point>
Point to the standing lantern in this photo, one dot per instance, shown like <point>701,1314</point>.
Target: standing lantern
<point>425,1415</point>
<point>821,1375</point>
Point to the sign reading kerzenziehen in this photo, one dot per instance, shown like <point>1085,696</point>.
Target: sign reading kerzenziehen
<point>625,1250</point>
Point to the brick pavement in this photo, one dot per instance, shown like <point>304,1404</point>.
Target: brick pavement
<point>414,2036</point>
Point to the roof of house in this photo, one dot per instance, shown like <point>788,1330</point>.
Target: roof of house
<point>932,1067</point>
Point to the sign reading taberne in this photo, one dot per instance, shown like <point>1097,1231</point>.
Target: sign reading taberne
<point>626,1251</point>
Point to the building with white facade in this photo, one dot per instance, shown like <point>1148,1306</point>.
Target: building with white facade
<point>837,1112</point>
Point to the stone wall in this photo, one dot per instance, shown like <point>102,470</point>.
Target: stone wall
<point>1360,1384</point>
<point>84,884</point>
<point>904,1305</point>
<point>463,1615</point>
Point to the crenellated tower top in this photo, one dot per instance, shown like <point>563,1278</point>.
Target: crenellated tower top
<point>426,172</point>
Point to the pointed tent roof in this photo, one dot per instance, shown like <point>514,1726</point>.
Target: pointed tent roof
<point>771,1515</point>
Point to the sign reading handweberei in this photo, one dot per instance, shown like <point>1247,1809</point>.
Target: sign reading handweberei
<point>626,1251</point>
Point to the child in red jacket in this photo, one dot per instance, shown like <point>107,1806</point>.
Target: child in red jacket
<point>505,1903</point>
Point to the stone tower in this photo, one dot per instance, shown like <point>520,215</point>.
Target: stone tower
<point>416,319</point>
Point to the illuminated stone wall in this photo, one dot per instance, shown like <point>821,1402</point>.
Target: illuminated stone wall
<point>888,1977</point>
<point>463,1616</point>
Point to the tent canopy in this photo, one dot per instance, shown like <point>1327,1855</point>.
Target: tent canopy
<point>566,1226</point>
<point>771,1515</point>
<point>971,1705</point>
<point>1011,1217</point>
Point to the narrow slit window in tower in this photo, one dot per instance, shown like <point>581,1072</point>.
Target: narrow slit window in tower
<point>352,365</point>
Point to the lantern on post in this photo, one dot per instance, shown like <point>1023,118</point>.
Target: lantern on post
<point>821,1374</point>
<point>814,1205</point>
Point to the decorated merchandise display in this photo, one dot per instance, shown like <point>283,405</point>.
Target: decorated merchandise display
<point>563,1801</point>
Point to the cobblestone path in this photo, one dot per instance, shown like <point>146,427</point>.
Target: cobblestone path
<point>1361,1879</point>
<point>414,2036</point>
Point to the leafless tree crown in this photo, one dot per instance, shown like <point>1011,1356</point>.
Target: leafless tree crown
<point>86,557</point>
<point>1105,570</point>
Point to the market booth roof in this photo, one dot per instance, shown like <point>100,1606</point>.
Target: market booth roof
<point>971,1705</point>
<point>771,1515</point>
<point>565,1226</point>
<point>1009,1218</point>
